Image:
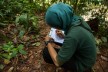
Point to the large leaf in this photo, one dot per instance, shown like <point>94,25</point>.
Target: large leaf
<point>23,52</point>
<point>6,55</point>
<point>8,47</point>
<point>104,39</point>
<point>14,52</point>
<point>23,19</point>
<point>20,48</point>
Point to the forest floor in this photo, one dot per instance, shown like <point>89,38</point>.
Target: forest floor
<point>33,61</point>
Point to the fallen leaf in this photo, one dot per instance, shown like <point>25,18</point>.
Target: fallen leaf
<point>104,39</point>
<point>25,38</point>
<point>36,44</point>
<point>104,58</point>
<point>97,50</point>
<point>98,41</point>
<point>1,66</point>
<point>10,69</point>
<point>6,61</point>
<point>37,36</point>
<point>15,40</point>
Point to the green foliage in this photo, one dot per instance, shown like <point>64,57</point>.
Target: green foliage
<point>9,50</point>
<point>29,22</point>
<point>22,19</point>
<point>20,12</point>
<point>101,14</point>
<point>8,10</point>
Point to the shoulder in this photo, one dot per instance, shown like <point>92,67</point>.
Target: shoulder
<point>74,31</point>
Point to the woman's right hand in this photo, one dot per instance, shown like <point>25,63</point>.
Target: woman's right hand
<point>59,33</point>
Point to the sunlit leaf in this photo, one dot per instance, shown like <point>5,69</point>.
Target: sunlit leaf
<point>6,61</point>
<point>17,20</point>
<point>10,69</point>
<point>36,44</point>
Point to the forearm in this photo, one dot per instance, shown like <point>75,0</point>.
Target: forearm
<point>53,54</point>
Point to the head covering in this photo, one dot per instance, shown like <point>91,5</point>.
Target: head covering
<point>62,16</point>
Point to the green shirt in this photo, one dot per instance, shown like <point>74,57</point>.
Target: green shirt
<point>79,44</point>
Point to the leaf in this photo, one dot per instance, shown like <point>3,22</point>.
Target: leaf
<point>5,46</point>
<point>14,53</point>
<point>25,38</point>
<point>17,19</point>
<point>36,44</point>
<point>1,66</point>
<point>15,41</point>
<point>104,58</point>
<point>104,39</point>
<point>21,33</point>
<point>23,19</point>
<point>10,69</point>
<point>37,36</point>
<point>2,24</point>
<point>34,24</point>
<point>20,47</point>
<point>8,47</point>
<point>6,61</point>
<point>7,56</point>
<point>1,14</point>
<point>23,52</point>
<point>97,50</point>
<point>98,41</point>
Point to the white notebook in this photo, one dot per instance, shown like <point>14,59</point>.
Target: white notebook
<point>56,38</point>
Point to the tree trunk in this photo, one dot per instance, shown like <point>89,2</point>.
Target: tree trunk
<point>64,1</point>
<point>106,2</point>
<point>76,5</point>
<point>43,3</point>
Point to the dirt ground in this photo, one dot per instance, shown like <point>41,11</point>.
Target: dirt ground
<point>33,61</point>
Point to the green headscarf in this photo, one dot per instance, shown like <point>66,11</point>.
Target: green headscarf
<point>62,16</point>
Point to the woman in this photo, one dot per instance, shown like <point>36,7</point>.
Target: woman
<point>78,52</point>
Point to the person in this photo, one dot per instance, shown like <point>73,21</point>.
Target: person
<point>78,52</point>
<point>57,36</point>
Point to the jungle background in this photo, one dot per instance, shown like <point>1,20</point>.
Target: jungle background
<point>23,28</point>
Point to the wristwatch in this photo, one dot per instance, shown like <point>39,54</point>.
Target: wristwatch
<point>46,42</point>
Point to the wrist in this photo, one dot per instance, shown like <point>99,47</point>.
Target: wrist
<point>47,42</point>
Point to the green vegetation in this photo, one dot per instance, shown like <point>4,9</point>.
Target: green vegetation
<point>19,18</point>
<point>9,51</point>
